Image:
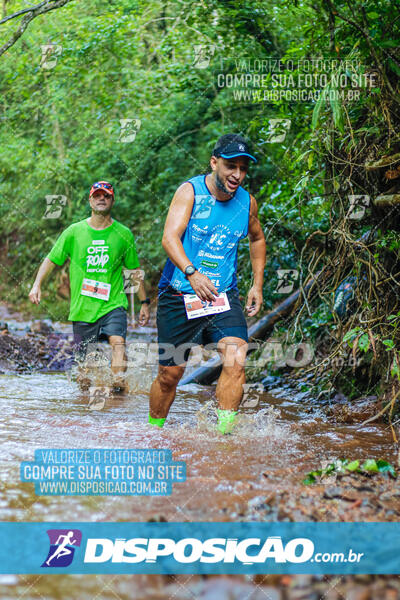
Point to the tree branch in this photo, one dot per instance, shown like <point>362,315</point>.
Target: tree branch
<point>21,12</point>
<point>33,12</point>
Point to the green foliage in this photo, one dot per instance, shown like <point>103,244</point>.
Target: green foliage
<point>344,466</point>
<point>61,126</point>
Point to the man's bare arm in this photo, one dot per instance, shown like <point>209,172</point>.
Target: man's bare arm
<point>144,314</point>
<point>175,225</point>
<point>44,270</point>
<point>257,256</point>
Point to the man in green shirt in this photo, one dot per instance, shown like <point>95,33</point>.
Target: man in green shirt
<point>99,248</point>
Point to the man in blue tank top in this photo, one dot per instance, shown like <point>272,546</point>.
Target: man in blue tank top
<point>198,299</point>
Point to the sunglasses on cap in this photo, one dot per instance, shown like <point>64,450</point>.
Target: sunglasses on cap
<point>102,185</point>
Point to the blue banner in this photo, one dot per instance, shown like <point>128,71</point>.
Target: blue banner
<point>213,548</point>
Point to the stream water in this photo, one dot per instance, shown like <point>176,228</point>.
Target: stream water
<point>274,445</point>
<point>228,477</point>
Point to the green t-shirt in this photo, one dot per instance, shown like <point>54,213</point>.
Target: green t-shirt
<point>97,256</point>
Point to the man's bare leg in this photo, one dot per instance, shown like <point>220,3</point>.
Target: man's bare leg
<point>229,390</point>
<point>118,362</point>
<point>162,393</point>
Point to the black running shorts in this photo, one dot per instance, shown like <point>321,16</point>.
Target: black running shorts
<point>177,334</point>
<point>113,323</point>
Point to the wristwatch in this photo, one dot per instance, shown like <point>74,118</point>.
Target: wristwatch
<point>145,301</point>
<point>190,269</point>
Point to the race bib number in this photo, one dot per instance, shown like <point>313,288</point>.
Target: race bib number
<point>200,308</point>
<point>96,289</point>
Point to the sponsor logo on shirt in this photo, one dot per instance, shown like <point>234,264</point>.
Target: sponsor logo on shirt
<point>97,257</point>
<point>208,263</point>
<point>219,237</point>
<point>200,230</point>
<point>203,204</point>
<point>209,255</point>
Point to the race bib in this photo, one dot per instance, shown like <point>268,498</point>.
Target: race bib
<point>200,308</point>
<point>96,289</point>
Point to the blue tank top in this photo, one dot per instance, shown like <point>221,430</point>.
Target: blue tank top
<point>211,238</point>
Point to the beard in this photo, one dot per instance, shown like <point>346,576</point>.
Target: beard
<point>220,185</point>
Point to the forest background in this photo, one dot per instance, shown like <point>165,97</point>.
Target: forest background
<point>137,92</point>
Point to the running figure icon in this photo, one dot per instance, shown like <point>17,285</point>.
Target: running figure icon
<point>62,549</point>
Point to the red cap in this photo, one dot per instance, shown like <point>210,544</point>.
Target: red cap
<point>102,185</point>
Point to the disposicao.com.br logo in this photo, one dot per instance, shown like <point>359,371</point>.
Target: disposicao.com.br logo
<point>187,550</point>
<point>212,550</point>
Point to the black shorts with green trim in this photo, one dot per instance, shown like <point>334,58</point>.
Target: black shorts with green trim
<point>177,334</point>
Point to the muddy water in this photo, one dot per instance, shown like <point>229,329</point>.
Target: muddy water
<point>228,477</point>
<point>273,447</point>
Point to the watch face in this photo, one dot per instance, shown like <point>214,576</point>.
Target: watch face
<point>189,270</point>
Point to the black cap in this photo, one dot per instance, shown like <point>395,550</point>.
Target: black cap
<point>232,145</point>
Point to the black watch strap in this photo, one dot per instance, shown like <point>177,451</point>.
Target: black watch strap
<point>146,301</point>
<point>190,270</point>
